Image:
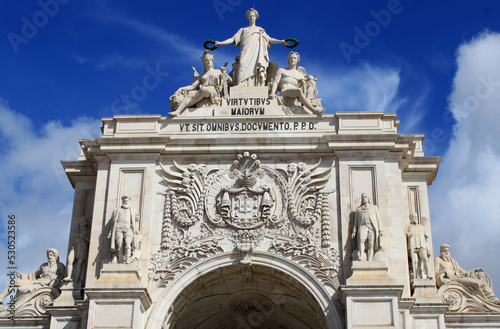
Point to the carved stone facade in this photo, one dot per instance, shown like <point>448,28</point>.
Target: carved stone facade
<point>245,209</point>
<point>252,230</point>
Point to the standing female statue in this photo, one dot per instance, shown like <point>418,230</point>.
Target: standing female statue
<point>254,56</point>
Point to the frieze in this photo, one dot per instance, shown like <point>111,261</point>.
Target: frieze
<point>248,126</point>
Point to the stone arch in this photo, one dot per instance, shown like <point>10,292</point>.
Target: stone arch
<point>290,286</point>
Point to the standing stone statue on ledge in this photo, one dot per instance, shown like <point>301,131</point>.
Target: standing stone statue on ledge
<point>447,270</point>
<point>207,89</point>
<point>291,83</point>
<point>48,274</point>
<point>418,248</point>
<point>124,230</point>
<point>254,57</point>
<point>367,229</point>
<point>78,254</point>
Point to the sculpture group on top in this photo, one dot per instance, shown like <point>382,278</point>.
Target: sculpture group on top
<point>251,69</point>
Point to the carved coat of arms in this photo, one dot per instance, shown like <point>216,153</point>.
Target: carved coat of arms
<point>243,204</point>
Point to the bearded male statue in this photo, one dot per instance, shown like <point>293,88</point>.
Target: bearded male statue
<point>447,270</point>
<point>49,274</point>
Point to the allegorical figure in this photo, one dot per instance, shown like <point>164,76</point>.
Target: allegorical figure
<point>48,274</point>
<point>447,270</point>
<point>418,248</point>
<point>254,56</point>
<point>291,83</point>
<point>123,230</point>
<point>367,229</point>
<point>78,255</point>
<point>206,86</point>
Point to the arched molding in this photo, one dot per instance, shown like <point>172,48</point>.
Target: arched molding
<point>163,298</point>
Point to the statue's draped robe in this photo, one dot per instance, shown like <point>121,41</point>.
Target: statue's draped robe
<point>254,43</point>
<point>417,239</point>
<point>211,80</point>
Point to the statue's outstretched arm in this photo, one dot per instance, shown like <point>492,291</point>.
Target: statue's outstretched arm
<point>277,41</point>
<point>225,42</point>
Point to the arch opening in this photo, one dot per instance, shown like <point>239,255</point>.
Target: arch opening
<point>245,296</point>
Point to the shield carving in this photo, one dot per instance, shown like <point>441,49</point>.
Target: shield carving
<point>245,196</point>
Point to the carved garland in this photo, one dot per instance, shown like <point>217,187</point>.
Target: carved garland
<point>165,227</point>
<point>325,221</point>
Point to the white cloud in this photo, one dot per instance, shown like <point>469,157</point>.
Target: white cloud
<point>365,88</point>
<point>119,60</point>
<point>34,186</point>
<point>373,88</point>
<point>186,49</point>
<point>465,198</point>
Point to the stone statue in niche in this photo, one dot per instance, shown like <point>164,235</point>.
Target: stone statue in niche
<point>254,56</point>
<point>206,90</point>
<point>448,271</point>
<point>124,232</point>
<point>294,84</point>
<point>367,229</point>
<point>78,255</point>
<point>48,274</point>
<point>418,248</point>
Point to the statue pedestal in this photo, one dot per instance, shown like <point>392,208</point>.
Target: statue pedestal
<point>104,311</point>
<point>116,275</point>
<point>425,290</point>
<point>369,273</point>
<point>248,102</point>
<point>427,310</point>
<point>66,312</point>
<point>70,294</point>
<point>371,306</point>
<point>117,282</point>
<point>371,296</point>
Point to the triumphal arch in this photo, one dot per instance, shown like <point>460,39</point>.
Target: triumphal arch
<point>248,207</point>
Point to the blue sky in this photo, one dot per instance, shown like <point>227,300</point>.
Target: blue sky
<point>67,63</point>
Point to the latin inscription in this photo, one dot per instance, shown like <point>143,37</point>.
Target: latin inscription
<point>248,111</point>
<point>247,126</point>
<point>248,101</point>
<point>253,106</point>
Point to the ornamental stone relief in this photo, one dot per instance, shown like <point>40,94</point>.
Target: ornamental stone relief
<point>246,207</point>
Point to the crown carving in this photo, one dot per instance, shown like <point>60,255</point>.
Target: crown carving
<point>246,169</point>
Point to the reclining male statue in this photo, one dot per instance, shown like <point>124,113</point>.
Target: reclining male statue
<point>48,274</point>
<point>447,270</point>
